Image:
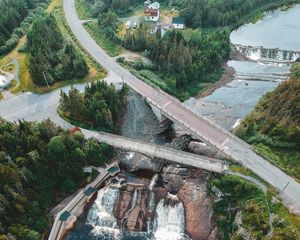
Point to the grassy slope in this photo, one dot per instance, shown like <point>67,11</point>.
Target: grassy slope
<point>83,10</point>
<point>266,126</point>
<point>111,48</point>
<point>95,71</point>
<point>255,206</point>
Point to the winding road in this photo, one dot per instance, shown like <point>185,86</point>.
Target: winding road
<point>197,125</point>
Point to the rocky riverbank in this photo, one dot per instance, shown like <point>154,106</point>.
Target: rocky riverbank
<point>150,198</point>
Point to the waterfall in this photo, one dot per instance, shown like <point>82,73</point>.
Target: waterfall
<point>134,199</point>
<point>151,204</point>
<point>129,156</point>
<point>269,55</point>
<point>169,222</point>
<point>100,216</point>
<point>152,182</point>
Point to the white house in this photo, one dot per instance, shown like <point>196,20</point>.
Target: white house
<point>151,12</point>
<point>178,22</point>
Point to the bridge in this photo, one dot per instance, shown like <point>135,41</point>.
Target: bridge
<point>171,108</point>
<point>66,218</point>
<point>153,150</point>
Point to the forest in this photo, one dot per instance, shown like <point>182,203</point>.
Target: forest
<point>182,57</point>
<point>15,20</point>
<point>274,125</point>
<point>100,105</point>
<point>187,60</point>
<point>40,164</point>
<point>96,7</point>
<point>52,58</point>
<point>219,13</point>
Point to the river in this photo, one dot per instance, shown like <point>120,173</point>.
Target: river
<point>270,45</point>
<point>148,201</point>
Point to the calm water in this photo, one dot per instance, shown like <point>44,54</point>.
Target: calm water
<point>279,29</point>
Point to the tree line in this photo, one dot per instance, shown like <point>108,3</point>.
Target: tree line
<point>15,19</point>
<point>185,58</point>
<point>97,7</point>
<point>99,106</point>
<point>40,164</point>
<point>218,13</point>
<point>274,125</point>
<point>52,58</point>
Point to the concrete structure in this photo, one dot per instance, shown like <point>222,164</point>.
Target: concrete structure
<point>211,134</point>
<point>178,22</point>
<point>67,217</point>
<point>158,151</point>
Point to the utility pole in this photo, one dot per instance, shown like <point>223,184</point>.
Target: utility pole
<point>281,191</point>
<point>45,79</point>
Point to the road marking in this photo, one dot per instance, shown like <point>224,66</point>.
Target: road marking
<point>165,105</point>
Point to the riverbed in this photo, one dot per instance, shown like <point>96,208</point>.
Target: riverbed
<point>271,45</point>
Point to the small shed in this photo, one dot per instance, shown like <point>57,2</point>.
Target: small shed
<point>178,22</point>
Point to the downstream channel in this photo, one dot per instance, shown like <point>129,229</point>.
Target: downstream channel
<point>151,201</point>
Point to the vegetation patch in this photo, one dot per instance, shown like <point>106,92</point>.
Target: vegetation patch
<point>105,34</point>
<point>100,106</point>
<point>52,58</point>
<point>273,126</point>
<point>40,164</point>
<point>16,19</point>
<point>243,211</point>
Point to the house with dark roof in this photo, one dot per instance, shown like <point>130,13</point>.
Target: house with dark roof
<point>178,22</point>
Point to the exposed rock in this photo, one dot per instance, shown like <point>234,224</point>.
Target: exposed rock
<point>137,217</point>
<point>136,161</point>
<point>197,204</point>
<point>180,143</point>
<point>214,234</point>
<point>133,217</point>
<point>124,201</point>
<point>202,149</point>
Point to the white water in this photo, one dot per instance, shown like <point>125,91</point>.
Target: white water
<point>134,199</point>
<point>152,182</point>
<point>100,216</point>
<point>268,55</point>
<point>169,222</point>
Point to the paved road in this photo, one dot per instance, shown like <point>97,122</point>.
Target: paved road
<point>213,135</point>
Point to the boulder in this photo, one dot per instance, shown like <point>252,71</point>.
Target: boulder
<point>198,206</point>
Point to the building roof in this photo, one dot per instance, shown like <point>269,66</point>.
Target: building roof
<point>178,20</point>
<point>151,12</point>
<point>89,191</point>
